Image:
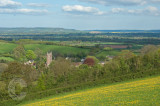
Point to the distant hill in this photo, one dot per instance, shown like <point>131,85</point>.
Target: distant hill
<point>125,31</point>
<point>45,30</point>
<point>36,30</point>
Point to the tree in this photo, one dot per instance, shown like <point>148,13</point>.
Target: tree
<point>39,54</point>
<point>19,70</point>
<point>30,55</point>
<point>148,49</point>
<point>3,67</point>
<point>94,58</point>
<point>60,67</point>
<point>19,53</point>
<point>102,58</point>
<point>50,80</point>
<point>89,61</point>
<point>126,54</point>
<point>41,82</point>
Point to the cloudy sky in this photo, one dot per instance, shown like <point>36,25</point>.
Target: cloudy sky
<point>81,14</point>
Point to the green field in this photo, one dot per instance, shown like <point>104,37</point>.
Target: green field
<point>110,53</point>
<point>6,47</point>
<point>144,92</point>
<point>78,43</point>
<point>7,58</point>
<point>9,47</point>
<point>60,49</point>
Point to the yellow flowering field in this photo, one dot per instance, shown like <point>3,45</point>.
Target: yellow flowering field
<point>144,92</point>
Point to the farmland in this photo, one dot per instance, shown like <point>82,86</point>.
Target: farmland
<point>139,92</point>
<point>74,44</point>
<point>66,48</point>
<point>81,68</point>
<point>7,58</point>
<point>6,47</point>
<point>109,53</point>
<point>61,49</point>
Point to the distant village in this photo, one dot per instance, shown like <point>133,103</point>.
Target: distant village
<point>88,61</point>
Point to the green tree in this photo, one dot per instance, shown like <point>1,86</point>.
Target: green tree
<point>50,80</point>
<point>19,70</point>
<point>18,89</point>
<point>41,82</point>
<point>30,55</point>
<point>60,67</point>
<point>3,67</point>
<point>39,54</point>
<point>19,53</point>
<point>126,54</point>
<point>148,49</point>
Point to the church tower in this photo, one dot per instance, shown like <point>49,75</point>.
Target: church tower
<point>49,58</point>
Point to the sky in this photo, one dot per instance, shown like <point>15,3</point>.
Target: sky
<point>81,14</point>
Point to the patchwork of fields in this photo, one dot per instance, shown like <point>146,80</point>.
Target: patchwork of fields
<point>8,47</point>
<point>145,92</point>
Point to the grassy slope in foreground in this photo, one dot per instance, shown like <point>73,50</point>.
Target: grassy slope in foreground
<point>142,92</point>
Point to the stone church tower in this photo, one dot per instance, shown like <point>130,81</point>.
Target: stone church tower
<point>49,58</point>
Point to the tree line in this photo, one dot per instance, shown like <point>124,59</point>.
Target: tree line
<point>136,38</point>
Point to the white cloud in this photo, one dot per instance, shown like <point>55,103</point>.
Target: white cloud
<point>117,10</point>
<point>155,1</point>
<point>9,4</point>
<point>78,9</point>
<point>122,2</point>
<point>23,11</point>
<point>150,10</point>
<point>117,2</point>
<point>38,5</point>
<point>13,7</point>
<point>82,10</point>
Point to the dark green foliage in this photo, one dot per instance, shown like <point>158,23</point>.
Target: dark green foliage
<point>41,82</point>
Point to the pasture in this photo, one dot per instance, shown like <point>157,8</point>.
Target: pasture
<point>60,49</point>
<point>9,47</point>
<point>6,58</point>
<point>109,53</point>
<point>6,47</point>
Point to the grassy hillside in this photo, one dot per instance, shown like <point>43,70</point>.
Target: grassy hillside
<point>38,30</point>
<point>141,92</point>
